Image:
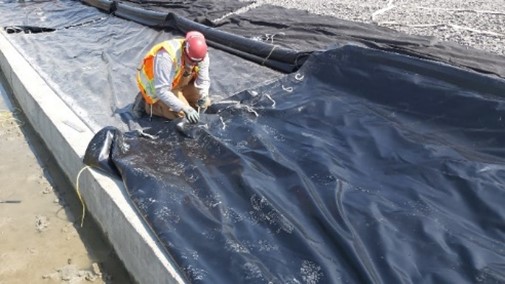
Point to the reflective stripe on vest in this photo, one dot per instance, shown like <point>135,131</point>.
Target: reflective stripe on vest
<point>145,75</point>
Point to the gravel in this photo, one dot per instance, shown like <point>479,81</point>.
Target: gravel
<point>477,24</point>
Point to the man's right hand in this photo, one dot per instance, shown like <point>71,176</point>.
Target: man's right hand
<point>191,114</point>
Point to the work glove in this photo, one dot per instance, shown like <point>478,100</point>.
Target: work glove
<point>191,114</point>
<point>203,102</point>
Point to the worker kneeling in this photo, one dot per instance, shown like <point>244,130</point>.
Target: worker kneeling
<point>174,79</point>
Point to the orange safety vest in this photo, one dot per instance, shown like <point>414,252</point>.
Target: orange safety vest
<point>145,74</point>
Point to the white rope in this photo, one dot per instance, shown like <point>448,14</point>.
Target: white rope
<point>462,10</point>
<point>222,121</point>
<point>453,26</point>
<point>239,11</point>
<point>271,36</point>
<point>299,76</point>
<point>388,7</point>
<point>287,89</point>
<point>270,98</point>
<point>268,56</point>
<point>250,109</point>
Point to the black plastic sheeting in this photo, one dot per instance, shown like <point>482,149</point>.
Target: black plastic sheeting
<point>195,10</point>
<point>303,31</point>
<point>364,167</point>
<point>283,38</point>
<point>90,61</point>
<point>276,57</point>
<point>361,166</point>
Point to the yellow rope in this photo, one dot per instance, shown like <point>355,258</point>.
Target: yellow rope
<point>79,194</point>
<point>8,116</point>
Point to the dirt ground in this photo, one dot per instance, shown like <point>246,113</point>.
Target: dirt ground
<point>41,240</point>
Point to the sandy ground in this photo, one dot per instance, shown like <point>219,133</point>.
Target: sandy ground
<point>41,240</point>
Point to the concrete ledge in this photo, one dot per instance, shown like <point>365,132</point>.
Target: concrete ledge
<point>67,137</point>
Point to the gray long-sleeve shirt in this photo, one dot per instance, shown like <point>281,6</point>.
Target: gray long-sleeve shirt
<point>164,74</point>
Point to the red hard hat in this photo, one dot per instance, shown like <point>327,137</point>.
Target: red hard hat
<point>196,47</point>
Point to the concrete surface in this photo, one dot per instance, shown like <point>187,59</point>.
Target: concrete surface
<point>67,137</point>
